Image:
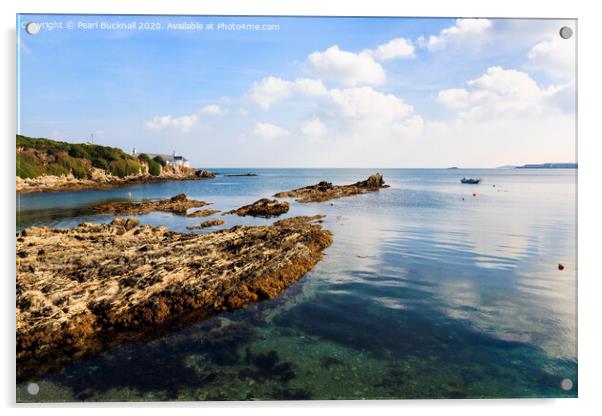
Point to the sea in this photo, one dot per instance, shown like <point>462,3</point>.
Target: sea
<point>430,289</point>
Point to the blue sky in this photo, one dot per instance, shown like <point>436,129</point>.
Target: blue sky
<point>324,92</point>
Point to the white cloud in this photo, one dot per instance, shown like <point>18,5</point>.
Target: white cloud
<point>268,132</point>
<point>213,109</point>
<point>556,57</point>
<point>395,48</point>
<point>309,87</point>
<point>462,29</point>
<point>271,89</point>
<point>183,123</point>
<point>365,103</point>
<point>314,128</point>
<point>500,93</point>
<point>345,67</point>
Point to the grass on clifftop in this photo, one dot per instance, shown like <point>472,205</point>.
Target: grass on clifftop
<point>36,157</point>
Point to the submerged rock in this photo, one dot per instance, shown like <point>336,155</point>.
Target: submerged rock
<point>203,213</point>
<point>178,204</point>
<point>324,191</point>
<point>206,224</point>
<point>266,208</point>
<point>88,288</point>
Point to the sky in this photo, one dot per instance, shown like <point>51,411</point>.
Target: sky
<point>303,92</point>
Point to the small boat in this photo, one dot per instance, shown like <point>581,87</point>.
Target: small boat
<point>471,181</point>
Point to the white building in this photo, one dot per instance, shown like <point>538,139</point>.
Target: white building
<point>172,159</point>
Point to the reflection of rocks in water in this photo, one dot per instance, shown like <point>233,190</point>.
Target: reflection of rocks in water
<point>161,367</point>
<point>222,344</point>
<point>328,362</point>
<point>267,366</point>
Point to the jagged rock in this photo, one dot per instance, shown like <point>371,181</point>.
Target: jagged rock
<point>94,286</point>
<point>203,213</point>
<point>178,204</point>
<point>206,224</point>
<point>324,191</point>
<point>374,181</point>
<point>264,207</point>
<point>203,173</point>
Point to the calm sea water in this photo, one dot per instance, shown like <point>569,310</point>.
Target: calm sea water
<point>426,292</point>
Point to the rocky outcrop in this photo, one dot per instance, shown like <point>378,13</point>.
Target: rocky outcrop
<point>204,174</point>
<point>266,208</point>
<point>85,289</point>
<point>325,191</point>
<point>178,204</point>
<point>99,179</point>
<point>203,213</point>
<point>206,224</point>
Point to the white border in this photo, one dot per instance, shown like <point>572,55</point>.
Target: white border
<point>590,187</point>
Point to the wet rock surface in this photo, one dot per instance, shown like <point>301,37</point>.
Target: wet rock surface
<point>85,289</point>
<point>178,204</point>
<point>206,224</point>
<point>325,191</point>
<point>266,208</point>
<point>203,213</point>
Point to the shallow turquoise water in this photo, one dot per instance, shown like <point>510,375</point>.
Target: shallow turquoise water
<point>426,292</point>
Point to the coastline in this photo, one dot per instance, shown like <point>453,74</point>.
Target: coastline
<point>49,183</point>
<point>69,306</point>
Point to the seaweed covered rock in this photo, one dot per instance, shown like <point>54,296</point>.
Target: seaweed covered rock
<point>203,213</point>
<point>264,207</point>
<point>324,191</point>
<point>84,289</point>
<point>178,204</point>
<point>206,224</point>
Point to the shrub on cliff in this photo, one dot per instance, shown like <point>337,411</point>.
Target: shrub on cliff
<point>50,157</point>
<point>154,168</point>
<point>100,164</point>
<point>27,166</point>
<point>160,160</point>
<point>123,168</point>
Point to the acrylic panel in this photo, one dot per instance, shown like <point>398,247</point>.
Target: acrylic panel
<point>295,208</point>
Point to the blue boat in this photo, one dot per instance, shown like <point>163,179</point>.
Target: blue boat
<point>471,181</point>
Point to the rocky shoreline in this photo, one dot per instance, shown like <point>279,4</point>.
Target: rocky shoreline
<point>325,191</point>
<point>89,288</point>
<point>80,290</point>
<point>178,204</point>
<point>101,180</point>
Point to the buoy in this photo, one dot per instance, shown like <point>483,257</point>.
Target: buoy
<point>474,194</point>
<point>129,194</point>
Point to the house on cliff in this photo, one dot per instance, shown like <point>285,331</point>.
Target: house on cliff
<point>172,159</point>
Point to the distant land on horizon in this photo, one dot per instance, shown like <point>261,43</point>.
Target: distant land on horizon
<point>548,166</point>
